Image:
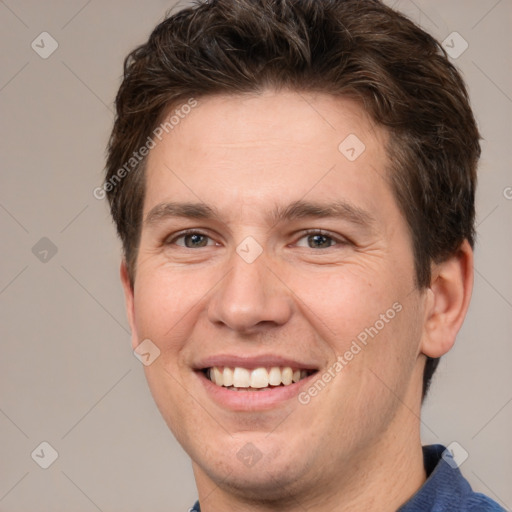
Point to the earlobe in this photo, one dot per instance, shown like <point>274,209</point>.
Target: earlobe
<point>447,301</point>
<point>129,302</point>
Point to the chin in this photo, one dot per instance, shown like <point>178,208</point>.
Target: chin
<point>270,481</point>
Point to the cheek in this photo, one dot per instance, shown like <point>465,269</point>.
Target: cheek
<point>369,320</point>
<point>341,302</point>
<point>391,352</point>
<point>165,304</point>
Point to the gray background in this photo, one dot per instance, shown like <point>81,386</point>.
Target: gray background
<point>67,373</point>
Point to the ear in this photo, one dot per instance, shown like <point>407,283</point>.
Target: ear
<point>130,303</point>
<point>447,301</point>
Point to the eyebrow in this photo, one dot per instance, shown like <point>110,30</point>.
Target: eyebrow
<point>336,209</point>
<point>293,211</point>
<point>163,211</point>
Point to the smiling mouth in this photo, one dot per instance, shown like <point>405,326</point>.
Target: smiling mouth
<point>257,379</point>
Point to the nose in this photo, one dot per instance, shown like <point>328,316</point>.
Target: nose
<point>250,297</point>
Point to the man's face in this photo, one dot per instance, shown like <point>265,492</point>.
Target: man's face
<point>266,246</point>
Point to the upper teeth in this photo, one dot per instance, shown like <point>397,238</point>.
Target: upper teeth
<point>257,378</point>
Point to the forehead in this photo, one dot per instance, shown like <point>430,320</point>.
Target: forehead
<point>276,118</point>
<point>247,151</point>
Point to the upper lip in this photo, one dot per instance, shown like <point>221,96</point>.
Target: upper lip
<point>251,362</point>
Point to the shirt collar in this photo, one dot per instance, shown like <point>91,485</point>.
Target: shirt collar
<point>445,486</point>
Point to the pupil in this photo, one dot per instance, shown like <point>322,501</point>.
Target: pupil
<point>195,241</point>
<point>319,241</point>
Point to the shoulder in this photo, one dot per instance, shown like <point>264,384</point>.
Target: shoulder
<point>477,502</point>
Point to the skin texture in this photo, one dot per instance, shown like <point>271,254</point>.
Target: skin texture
<point>356,444</point>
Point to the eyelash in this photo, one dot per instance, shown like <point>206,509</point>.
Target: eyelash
<point>338,240</point>
<point>182,234</point>
<point>307,232</point>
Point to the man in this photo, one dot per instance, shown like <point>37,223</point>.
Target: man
<point>293,183</point>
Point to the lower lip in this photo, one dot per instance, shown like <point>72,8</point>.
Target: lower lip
<point>252,400</point>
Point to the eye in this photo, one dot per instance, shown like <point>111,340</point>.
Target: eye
<point>191,240</point>
<point>315,239</point>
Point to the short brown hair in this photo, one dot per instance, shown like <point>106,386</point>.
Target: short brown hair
<point>352,48</point>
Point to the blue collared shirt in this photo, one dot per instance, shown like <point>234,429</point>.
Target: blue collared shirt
<point>445,489</point>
